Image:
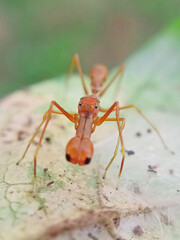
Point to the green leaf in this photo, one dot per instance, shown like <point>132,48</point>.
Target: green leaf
<point>152,78</point>
<point>68,198</point>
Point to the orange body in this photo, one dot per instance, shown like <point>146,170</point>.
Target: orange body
<point>80,149</point>
<point>98,75</point>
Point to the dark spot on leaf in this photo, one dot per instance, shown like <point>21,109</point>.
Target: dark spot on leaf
<point>48,139</point>
<point>62,127</point>
<point>138,134</point>
<point>137,189</point>
<point>130,152</point>
<point>152,168</point>
<point>41,207</point>
<point>149,130</point>
<point>22,135</point>
<point>105,197</point>
<point>165,219</point>
<point>116,221</point>
<point>50,183</point>
<point>45,170</point>
<point>178,190</point>
<point>137,231</point>
<point>90,235</point>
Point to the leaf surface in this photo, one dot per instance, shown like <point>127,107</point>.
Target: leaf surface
<point>75,201</point>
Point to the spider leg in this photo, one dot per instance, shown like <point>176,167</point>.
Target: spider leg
<point>115,107</point>
<point>76,63</point>
<point>46,118</point>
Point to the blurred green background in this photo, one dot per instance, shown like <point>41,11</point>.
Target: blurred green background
<point>39,37</point>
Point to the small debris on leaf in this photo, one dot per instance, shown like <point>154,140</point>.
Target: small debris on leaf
<point>138,134</point>
<point>116,221</point>
<point>137,189</point>
<point>137,231</point>
<point>92,236</point>
<point>62,127</point>
<point>50,183</point>
<point>152,168</point>
<point>106,198</point>
<point>149,130</point>
<point>130,152</point>
<point>165,219</point>
<point>48,139</point>
<point>22,135</point>
<point>45,170</point>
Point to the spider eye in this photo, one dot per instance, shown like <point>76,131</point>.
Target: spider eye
<point>96,106</point>
<point>80,104</point>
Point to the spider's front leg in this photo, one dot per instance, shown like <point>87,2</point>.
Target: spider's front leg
<point>46,118</point>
